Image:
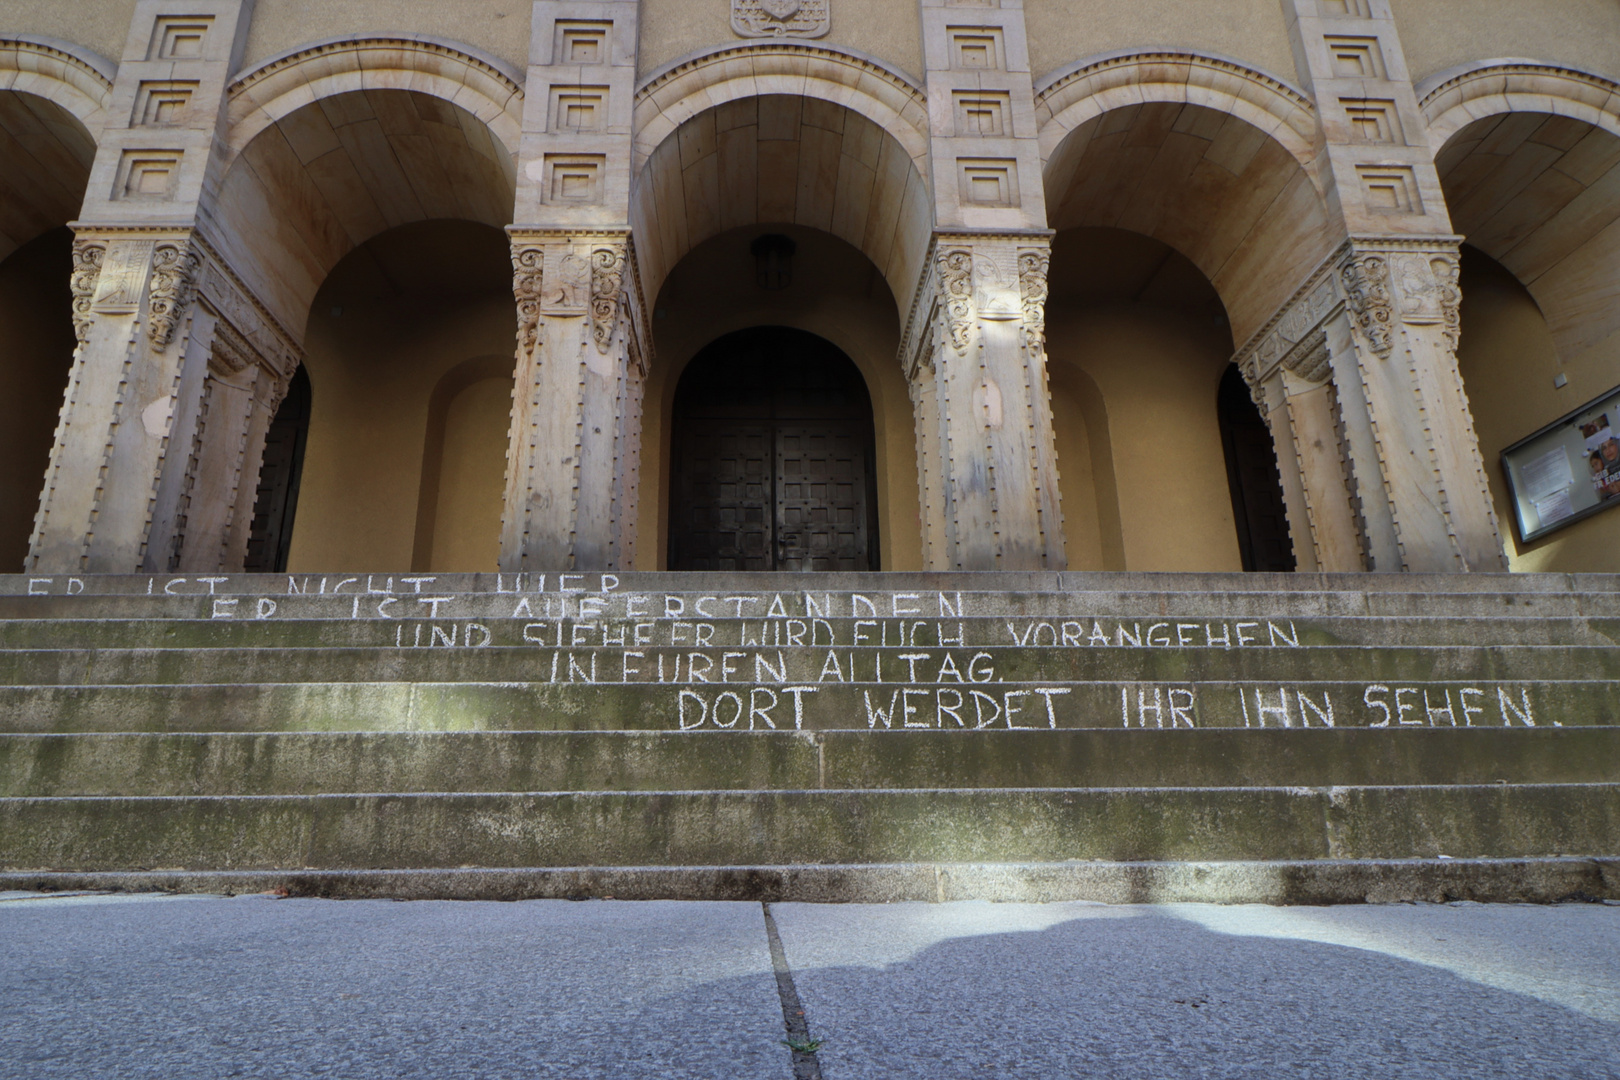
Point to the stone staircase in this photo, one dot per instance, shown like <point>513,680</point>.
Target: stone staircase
<point>822,737</point>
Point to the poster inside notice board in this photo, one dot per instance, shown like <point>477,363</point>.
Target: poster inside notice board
<point>1567,471</point>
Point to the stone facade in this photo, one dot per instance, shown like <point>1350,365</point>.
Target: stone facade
<point>1326,204</point>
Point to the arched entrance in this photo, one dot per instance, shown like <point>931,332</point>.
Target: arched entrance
<point>1534,194</point>
<point>1251,474</point>
<point>276,502</point>
<point>849,196</point>
<point>397,277</point>
<point>45,156</point>
<point>1181,229</point>
<point>773,457</point>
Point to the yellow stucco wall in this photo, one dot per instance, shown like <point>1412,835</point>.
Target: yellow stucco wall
<point>1157,375</point>
<point>36,351</point>
<point>1508,364</point>
<point>101,26</point>
<point>884,29</point>
<point>472,474</point>
<point>384,331</point>
<point>1063,31</point>
<point>499,27</point>
<point>1440,34</point>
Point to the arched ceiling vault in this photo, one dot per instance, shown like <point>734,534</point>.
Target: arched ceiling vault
<point>1209,184</point>
<point>782,159</point>
<point>324,178</point>
<point>45,156</point>
<point>1540,194</point>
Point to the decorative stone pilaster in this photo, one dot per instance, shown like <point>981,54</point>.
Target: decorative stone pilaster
<point>156,458</point>
<point>138,362</point>
<point>1358,377</point>
<point>117,477</point>
<point>987,462</point>
<point>250,364</point>
<point>1288,367</point>
<point>574,459</point>
<point>1416,481</point>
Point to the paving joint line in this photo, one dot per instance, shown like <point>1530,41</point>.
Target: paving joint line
<point>806,1066</point>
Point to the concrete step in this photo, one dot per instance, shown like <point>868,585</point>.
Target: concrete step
<point>54,766</point>
<point>524,706</point>
<point>655,670</point>
<point>797,602</point>
<point>449,724</point>
<point>764,828</point>
<point>733,582</point>
<point>1094,632</point>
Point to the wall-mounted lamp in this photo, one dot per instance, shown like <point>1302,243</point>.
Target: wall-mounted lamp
<point>773,261</point>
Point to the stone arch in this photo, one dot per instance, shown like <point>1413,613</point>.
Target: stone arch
<point>1070,97</point>
<point>1455,98</point>
<point>346,167</point>
<point>1211,158</point>
<point>479,84</point>
<point>793,158</point>
<point>53,106</point>
<point>680,90</point>
<point>389,338</point>
<point>71,77</point>
<point>1528,157</point>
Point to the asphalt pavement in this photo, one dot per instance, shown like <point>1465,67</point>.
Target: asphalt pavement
<point>137,986</point>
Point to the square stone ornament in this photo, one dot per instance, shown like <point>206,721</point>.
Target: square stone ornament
<point>781,18</point>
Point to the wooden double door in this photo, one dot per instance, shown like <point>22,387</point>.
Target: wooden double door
<point>773,458</point>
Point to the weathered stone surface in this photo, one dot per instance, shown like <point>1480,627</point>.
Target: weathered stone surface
<point>311,763</point>
<point>913,722</point>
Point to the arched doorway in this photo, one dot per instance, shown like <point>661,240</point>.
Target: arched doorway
<point>1251,474</point>
<point>845,189</point>
<point>45,157</point>
<point>1534,193</point>
<point>1181,229</point>
<point>1138,343</point>
<point>773,457</point>
<point>276,502</point>
<point>397,276</point>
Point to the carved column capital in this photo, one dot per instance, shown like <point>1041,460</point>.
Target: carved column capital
<point>231,354</point>
<point>607,293</point>
<point>988,277</point>
<point>528,278</point>
<point>1312,361</point>
<point>1366,287</point>
<point>1429,292</point>
<point>1033,264</point>
<point>1395,281</point>
<point>87,257</point>
<point>174,283</point>
<point>956,292</point>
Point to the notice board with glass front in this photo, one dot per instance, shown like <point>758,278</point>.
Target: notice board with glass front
<point>1567,471</point>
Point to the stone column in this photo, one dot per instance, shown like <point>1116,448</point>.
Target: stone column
<point>247,374</point>
<point>975,344</point>
<point>932,510</point>
<point>1289,369</point>
<point>1415,485</point>
<point>574,458</point>
<point>116,478</point>
<point>987,462</point>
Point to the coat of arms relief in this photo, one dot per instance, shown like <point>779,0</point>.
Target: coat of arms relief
<point>781,18</point>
